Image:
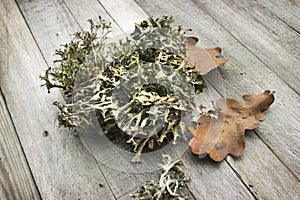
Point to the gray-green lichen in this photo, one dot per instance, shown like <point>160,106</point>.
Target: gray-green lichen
<point>171,183</point>
<point>139,85</point>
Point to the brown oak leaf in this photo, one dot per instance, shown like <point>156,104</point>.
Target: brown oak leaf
<point>202,60</point>
<point>224,135</point>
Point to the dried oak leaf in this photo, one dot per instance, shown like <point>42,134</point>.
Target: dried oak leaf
<point>202,60</point>
<point>224,135</point>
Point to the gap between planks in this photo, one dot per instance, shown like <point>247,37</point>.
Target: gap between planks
<point>16,177</point>
<point>262,45</point>
<point>20,79</point>
<point>286,10</point>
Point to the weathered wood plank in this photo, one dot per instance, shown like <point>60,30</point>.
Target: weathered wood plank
<point>211,180</point>
<point>92,9</point>
<point>265,78</point>
<point>41,22</point>
<point>263,172</point>
<point>51,14</point>
<point>254,77</point>
<point>125,13</point>
<point>279,130</point>
<point>254,170</point>
<point>268,22</point>
<point>286,10</point>
<point>61,166</point>
<point>16,181</point>
<point>270,48</point>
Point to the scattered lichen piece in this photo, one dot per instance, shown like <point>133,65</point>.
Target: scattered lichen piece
<point>171,184</point>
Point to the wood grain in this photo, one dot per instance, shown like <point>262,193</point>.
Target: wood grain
<point>50,24</point>
<point>92,10</point>
<point>125,13</point>
<point>273,50</point>
<point>286,10</point>
<point>243,74</point>
<point>16,181</point>
<point>61,166</point>
<point>211,180</point>
<point>269,23</point>
<point>263,172</point>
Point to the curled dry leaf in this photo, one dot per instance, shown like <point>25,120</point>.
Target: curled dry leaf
<point>202,60</point>
<point>225,135</point>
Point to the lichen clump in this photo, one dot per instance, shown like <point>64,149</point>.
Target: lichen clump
<point>171,184</point>
<point>139,85</point>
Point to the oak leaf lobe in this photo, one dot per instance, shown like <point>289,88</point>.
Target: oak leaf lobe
<point>202,60</point>
<point>224,135</point>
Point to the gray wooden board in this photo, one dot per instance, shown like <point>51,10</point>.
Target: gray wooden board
<point>255,78</point>
<point>263,172</point>
<point>286,106</point>
<point>280,128</point>
<point>211,180</point>
<point>286,10</point>
<point>61,166</point>
<point>58,22</point>
<point>272,49</point>
<point>92,10</point>
<point>16,181</point>
<point>268,22</point>
<point>125,13</point>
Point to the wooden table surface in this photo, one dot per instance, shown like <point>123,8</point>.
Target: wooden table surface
<point>260,37</point>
